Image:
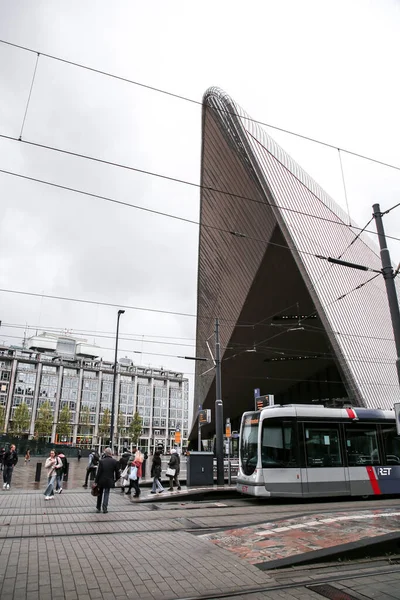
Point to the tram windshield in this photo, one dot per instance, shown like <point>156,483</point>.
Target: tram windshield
<point>249,443</point>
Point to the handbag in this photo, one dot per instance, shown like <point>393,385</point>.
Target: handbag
<point>170,472</point>
<point>133,474</point>
<point>125,472</point>
<point>95,489</point>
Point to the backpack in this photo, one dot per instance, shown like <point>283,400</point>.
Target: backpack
<point>95,460</point>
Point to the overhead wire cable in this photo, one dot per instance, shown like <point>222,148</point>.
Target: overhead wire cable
<point>99,335</point>
<point>161,176</point>
<point>164,214</point>
<point>91,332</point>
<point>197,102</point>
<point>344,185</point>
<point>29,96</point>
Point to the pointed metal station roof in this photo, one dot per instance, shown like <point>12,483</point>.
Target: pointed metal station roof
<point>264,222</point>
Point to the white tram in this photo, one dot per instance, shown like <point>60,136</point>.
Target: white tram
<point>309,450</point>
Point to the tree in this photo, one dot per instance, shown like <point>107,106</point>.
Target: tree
<point>21,419</point>
<point>105,422</point>
<point>84,420</point>
<point>121,429</point>
<point>2,417</point>
<point>44,420</point>
<point>135,428</point>
<point>64,422</point>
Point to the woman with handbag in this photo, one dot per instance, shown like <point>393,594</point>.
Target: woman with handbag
<point>135,473</point>
<point>156,474</point>
<point>51,465</point>
<point>173,470</point>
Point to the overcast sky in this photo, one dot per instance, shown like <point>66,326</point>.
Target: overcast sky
<point>328,70</point>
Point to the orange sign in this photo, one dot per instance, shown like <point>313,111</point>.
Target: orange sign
<point>177,437</point>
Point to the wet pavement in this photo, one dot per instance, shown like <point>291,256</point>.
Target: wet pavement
<point>180,549</point>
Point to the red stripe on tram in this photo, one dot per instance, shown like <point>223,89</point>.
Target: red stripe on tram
<point>351,413</point>
<point>374,482</point>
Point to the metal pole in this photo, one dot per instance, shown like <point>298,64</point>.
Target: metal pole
<point>388,275</point>
<point>114,395</point>
<point>219,421</point>
<point>198,433</point>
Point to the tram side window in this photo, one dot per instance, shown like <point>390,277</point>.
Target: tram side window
<point>391,442</point>
<point>322,447</point>
<point>278,448</point>
<point>362,445</point>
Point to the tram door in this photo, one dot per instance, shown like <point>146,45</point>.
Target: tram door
<point>326,474</point>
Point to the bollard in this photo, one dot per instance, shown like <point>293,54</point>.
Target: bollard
<point>38,471</point>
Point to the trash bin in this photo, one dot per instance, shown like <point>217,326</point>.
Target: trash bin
<point>199,469</point>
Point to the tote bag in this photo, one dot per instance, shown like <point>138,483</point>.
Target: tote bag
<point>124,473</point>
<point>170,472</point>
<point>133,474</point>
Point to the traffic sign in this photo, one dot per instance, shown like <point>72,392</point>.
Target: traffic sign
<point>204,416</point>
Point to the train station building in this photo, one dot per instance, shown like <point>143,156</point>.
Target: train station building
<point>291,324</point>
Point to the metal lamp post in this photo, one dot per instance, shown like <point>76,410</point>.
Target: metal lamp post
<point>115,395</point>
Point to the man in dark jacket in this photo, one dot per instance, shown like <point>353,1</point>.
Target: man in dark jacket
<point>9,461</point>
<point>106,476</point>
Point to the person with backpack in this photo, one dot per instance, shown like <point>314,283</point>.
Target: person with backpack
<point>93,462</point>
<point>62,469</point>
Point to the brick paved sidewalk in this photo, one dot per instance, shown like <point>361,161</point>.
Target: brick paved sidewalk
<point>63,549</point>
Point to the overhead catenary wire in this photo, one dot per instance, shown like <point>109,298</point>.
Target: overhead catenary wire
<point>198,102</point>
<point>103,336</point>
<point>90,332</point>
<point>168,178</point>
<point>236,345</point>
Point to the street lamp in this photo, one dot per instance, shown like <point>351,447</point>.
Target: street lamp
<point>115,395</point>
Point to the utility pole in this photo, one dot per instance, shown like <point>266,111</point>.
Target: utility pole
<point>389,275</point>
<point>219,424</point>
<point>114,394</point>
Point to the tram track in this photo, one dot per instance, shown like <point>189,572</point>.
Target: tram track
<point>285,512</point>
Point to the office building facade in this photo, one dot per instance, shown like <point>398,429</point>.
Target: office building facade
<point>66,372</point>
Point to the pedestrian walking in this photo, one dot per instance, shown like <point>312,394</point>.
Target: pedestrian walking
<point>174,465</point>
<point>9,461</point>
<point>79,454</point>
<point>123,462</point>
<point>93,462</point>
<point>27,455</point>
<point>2,453</point>
<point>61,471</point>
<point>156,474</point>
<point>107,474</point>
<point>51,465</point>
<point>134,482</point>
